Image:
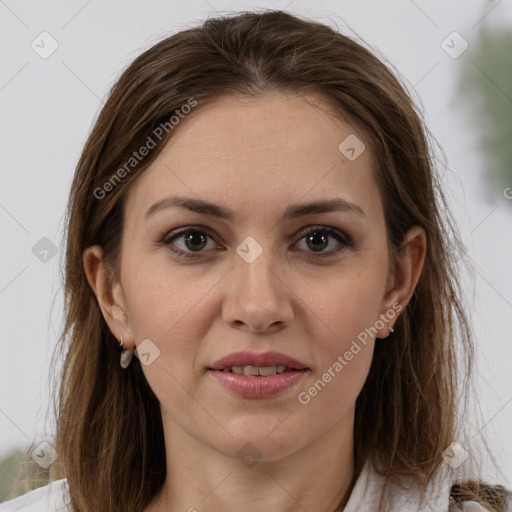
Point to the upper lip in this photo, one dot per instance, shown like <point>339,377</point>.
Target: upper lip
<point>246,358</point>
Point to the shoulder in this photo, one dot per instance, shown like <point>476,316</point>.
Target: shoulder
<point>369,490</point>
<point>50,498</point>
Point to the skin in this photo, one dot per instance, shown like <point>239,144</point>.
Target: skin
<point>255,156</point>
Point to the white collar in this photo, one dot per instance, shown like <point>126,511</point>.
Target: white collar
<point>369,487</point>
<point>365,496</point>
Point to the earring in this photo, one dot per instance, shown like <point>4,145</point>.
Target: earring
<point>391,329</point>
<point>126,355</point>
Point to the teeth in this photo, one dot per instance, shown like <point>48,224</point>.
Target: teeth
<point>267,370</point>
<point>251,370</point>
<point>254,371</point>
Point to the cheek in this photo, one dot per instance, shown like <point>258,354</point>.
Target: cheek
<point>344,354</point>
<point>164,307</point>
<point>347,311</point>
<point>332,391</point>
<point>343,307</point>
<point>161,301</point>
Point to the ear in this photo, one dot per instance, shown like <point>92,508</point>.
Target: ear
<point>109,294</point>
<point>402,281</point>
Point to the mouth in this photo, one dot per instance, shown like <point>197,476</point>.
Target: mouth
<point>259,371</point>
<point>253,375</point>
<point>253,364</point>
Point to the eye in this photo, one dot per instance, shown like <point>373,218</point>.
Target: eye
<point>318,239</point>
<point>194,241</point>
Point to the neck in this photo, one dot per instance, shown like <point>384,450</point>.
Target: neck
<point>317,477</point>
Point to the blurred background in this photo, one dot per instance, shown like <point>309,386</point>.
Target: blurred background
<point>59,60</point>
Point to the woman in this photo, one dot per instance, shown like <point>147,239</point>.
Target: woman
<point>256,211</point>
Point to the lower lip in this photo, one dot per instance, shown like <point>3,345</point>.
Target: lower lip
<point>258,387</point>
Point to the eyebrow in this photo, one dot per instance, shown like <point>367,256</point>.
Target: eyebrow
<point>222,212</point>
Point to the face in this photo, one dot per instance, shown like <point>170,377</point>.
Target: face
<point>310,286</point>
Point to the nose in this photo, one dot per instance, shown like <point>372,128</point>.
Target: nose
<point>257,296</point>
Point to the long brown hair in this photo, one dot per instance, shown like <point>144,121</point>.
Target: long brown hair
<point>109,428</point>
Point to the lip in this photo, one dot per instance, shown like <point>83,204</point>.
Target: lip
<point>249,386</point>
<point>258,387</point>
<point>246,358</point>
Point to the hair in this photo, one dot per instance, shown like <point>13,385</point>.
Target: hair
<point>109,428</point>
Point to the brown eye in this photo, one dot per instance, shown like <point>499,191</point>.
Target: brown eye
<point>195,240</point>
<point>192,241</point>
<point>318,239</point>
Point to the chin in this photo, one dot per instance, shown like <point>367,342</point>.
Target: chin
<point>260,442</point>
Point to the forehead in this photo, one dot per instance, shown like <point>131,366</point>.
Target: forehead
<point>265,150</point>
<point>277,122</point>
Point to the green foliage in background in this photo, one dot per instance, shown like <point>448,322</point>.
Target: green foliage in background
<point>19,474</point>
<point>486,85</point>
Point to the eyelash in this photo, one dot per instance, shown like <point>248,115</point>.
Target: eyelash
<point>167,240</point>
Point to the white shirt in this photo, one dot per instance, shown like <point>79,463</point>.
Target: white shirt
<point>50,498</point>
<point>364,498</point>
